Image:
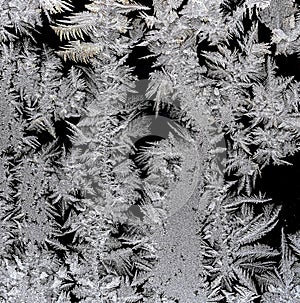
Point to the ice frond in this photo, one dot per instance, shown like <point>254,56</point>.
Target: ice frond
<point>56,6</point>
<point>79,51</point>
<point>76,26</point>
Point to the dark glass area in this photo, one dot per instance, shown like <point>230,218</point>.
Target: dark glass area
<point>282,184</point>
<point>142,67</point>
<point>288,66</point>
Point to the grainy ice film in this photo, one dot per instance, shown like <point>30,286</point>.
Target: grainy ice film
<point>149,151</point>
